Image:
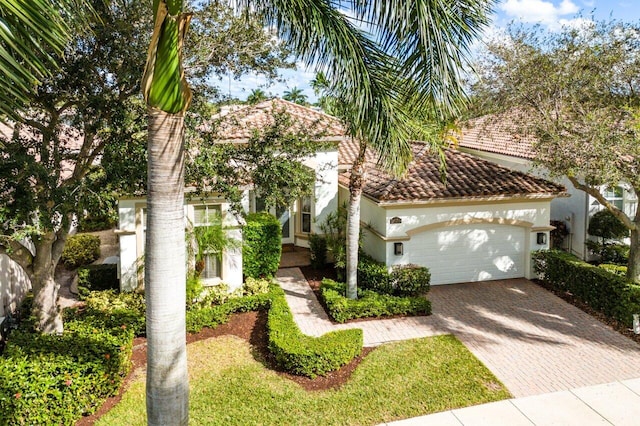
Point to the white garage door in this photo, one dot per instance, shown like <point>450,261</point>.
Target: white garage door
<point>465,253</point>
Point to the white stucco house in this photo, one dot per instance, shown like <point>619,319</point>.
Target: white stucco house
<point>481,225</point>
<point>498,142</point>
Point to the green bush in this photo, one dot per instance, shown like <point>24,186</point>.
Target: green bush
<point>304,355</point>
<point>317,251</point>
<point>81,249</point>
<point>216,314</point>
<point>253,286</point>
<point>116,309</point>
<point>620,270</point>
<point>610,252</point>
<point>607,226</point>
<point>374,275</point>
<point>99,277</point>
<point>410,280</point>
<point>369,303</point>
<point>613,295</point>
<point>262,247</point>
<point>50,379</point>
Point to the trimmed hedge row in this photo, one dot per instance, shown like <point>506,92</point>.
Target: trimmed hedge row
<point>305,355</point>
<point>293,351</point>
<point>613,295</point>
<point>49,379</point>
<point>369,303</point>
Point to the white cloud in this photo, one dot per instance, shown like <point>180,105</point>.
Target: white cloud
<point>539,11</point>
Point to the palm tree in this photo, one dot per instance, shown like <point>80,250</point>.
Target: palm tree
<point>295,95</point>
<point>32,32</point>
<point>418,40</point>
<point>256,95</point>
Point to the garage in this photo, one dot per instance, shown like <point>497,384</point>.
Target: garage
<point>464,253</point>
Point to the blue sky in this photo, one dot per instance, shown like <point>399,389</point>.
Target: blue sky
<point>549,13</point>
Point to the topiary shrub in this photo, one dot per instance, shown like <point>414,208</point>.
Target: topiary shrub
<point>369,303</point>
<point>99,277</point>
<point>262,245</point>
<point>317,251</point>
<point>607,226</point>
<point>80,250</point>
<point>410,280</point>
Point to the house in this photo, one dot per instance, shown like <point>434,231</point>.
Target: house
<point>481,225</point>
<point>497,141</point>
<point>298,220</point>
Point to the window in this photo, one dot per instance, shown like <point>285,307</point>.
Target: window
<point>615,195</point>
<point>305,214</point>
<point>208,260</point>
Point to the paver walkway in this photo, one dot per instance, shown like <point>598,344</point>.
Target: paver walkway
<point>533,341</point>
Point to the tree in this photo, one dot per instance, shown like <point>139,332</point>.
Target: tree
<point>256,95</point>
<point>322,35</point>
<point>295,95</point>
<point>577,92</point>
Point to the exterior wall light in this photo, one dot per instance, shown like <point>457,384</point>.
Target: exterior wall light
<point>398,249</point>
<point>541,238</point>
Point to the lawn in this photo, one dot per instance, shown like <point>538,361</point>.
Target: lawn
<point>399,380</point>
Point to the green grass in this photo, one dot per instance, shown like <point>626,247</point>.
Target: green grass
<point>399,380</point>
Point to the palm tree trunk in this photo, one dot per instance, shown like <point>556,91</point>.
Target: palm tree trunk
<point>356,183</point>
<point>165,272</point>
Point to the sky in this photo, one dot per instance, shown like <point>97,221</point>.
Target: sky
<point>549,13</point>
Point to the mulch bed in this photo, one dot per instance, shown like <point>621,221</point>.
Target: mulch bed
<point>251,326</point>
<point>570,298</point>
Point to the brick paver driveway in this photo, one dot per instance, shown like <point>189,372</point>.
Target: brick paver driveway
<point>533,341</point>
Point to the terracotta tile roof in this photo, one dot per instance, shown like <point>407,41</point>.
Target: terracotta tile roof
<point>238,125</point>
<point>467,177</point>
<point>496,134</point>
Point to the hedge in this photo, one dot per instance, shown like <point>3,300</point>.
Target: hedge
<point>403,280</point>
<point>613,295</point>
<point>369,303</point>
<point>80,249</point>
<point>262,245</point>
<point>304,355</point>
<point>50,379</point>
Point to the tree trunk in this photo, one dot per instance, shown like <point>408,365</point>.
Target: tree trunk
<point>356,183</point>
<point>44,286</point>
<point>633,265</point>
<point>165,273</point>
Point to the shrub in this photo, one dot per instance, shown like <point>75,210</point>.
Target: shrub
<point>610,252</point>
<point>369,304</point>
<point>117,309</point>
<point>318,251</point>
<point>334,228</point>
<point>255,286</point>
<point>99,277</point>
<point>558,233</point>
<point>373,275</point>
<point>613,295</point>
<point>194,290</point>
<point>410,280</point>
<point>607,226</point>
<point>81,249</point>
<point>262,246</point>
<point>50,379</point>
<point>620,270</point>
<point>304,355</point>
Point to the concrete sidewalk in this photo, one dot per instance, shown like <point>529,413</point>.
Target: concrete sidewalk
<point>616,403</point>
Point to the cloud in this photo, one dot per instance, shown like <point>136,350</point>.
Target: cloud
<point>539,11</point>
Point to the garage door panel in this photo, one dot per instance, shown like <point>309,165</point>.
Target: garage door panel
<point>470,253</point>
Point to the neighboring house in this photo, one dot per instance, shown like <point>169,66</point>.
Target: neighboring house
<point>497,141</point>
<point>481,225</point>
<point>298,220</point>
